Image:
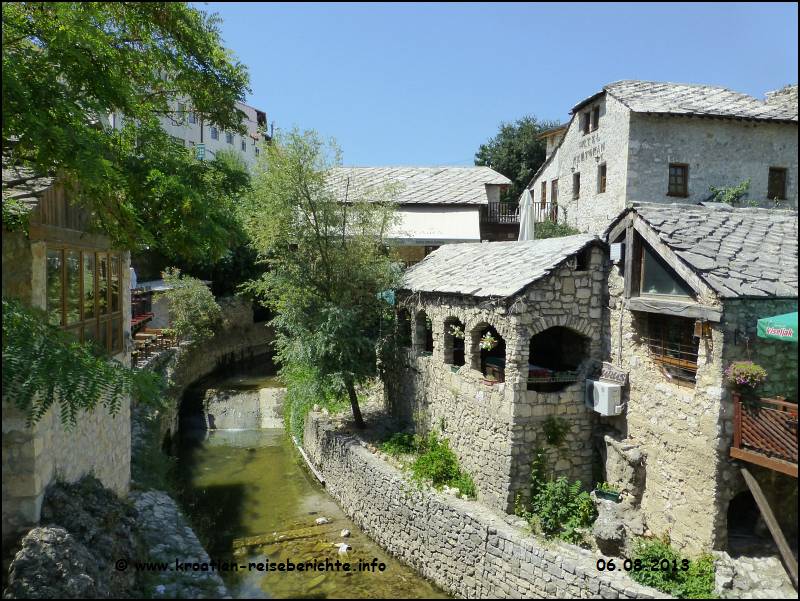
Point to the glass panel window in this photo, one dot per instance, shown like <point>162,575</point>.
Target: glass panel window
<point>55,261</point>
<point>102,283</point>
<point>72,293</point>
<point>90,332</point>
<point>116,335</point>
<point>103,335</point>
<point>192,117</point>
<point>576,185</point>
<point>229,137</point>
<point>658,279</point>
<point>214,133</point>
<point>678,180</point>
<point>672,344</point>
<point>88,285</point>
<point>601,178</point>
<point>595,118</point>
<point>114,283</point>
<point>244,145</point>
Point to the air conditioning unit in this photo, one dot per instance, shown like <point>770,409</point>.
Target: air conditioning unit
<point>604,397</point>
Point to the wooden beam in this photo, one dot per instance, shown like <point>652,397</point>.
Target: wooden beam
<point>675,307</point>
<point>619,229</point>
<point>789,562</point>
<point>671,259</point>
<point>630,259</point>
<point>771,463</point>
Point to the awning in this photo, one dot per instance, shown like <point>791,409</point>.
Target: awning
<point>432,226</point>
<point>779,327</point>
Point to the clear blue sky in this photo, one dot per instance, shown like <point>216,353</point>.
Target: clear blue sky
<point>409,84</point>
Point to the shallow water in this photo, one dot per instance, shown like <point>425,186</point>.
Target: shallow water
<point>248,483</point>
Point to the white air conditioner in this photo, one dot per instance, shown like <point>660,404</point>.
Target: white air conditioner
<point>604,397</point>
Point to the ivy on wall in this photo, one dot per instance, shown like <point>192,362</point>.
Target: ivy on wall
<point>44,366</point>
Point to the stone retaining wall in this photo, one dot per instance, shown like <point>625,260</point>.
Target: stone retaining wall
<point>460,545</point>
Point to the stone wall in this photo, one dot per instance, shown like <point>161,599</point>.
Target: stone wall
<point>719,152</point>
<point>495,428</point>
<point>460,545</point>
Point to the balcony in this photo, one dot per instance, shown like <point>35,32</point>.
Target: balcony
<point>508,213</point>
<point>765,433</point>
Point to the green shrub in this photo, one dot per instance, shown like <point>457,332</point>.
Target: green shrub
<point>438,465</point>
<point>304,389</point>
<point>548,229</point>
<point>555,430</point>
<point>400,443</point>
<point>193,311</point>
<point>696,582</point>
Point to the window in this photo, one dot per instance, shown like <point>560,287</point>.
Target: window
<point>595,118</point>
<point>601,178</point>
<point>554,191</point>
<point>424,334</point>
<point>576,185</point>
<point>181,112</point>
<point>244,145</point>
<point>214,133</point>
<point>229,137</point>
<point>657,278</point>
<point>673,346</point>
<point>776,186</point>
<point>544,193</point>
<point>83,291</point>
<point>258,150</point>
<point>192,117</point>
<point>586,122</point>
<point>678,180</point>
<point>554,359</point>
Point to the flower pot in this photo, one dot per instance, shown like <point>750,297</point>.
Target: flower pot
<point>608,495</point>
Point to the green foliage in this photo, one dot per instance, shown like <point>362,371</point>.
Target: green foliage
<point>606,487</point>
<point>15,215</point>
<point>548,229</point>
<point>516,151</point>
<point>68,65</point>
<point>399,443</point>
<point>555,430</point>
<point>304,389</point>
<point>44,366</point>
<point>557,508</point>
<point>438,464</point>
<point>695,583</point>
<point>327,263</point>
<point>151,467</point>
<point>193,310</point>
<point>731,195</point>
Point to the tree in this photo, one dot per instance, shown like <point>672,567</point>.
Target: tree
<point>67,66</point>
<point>516,151</point>
<point>327,264</point>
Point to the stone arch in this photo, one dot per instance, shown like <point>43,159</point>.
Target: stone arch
<point>453,348</point>
<point>572,322</point>
<point>490,362</point>
<point>555,356</point>
<point>404,328</point>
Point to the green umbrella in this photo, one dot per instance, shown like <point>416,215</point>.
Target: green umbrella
<point>779,327</point>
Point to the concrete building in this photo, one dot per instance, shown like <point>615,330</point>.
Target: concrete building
<point>501,338</point>
<point>640,141</point>
<point>189,129</point>
<point>437,205</point>
<point>684,299</point>
<point>82,284</point>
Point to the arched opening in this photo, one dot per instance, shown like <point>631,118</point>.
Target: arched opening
<point>554,359</point>
<point>424,333</point>
<point>488,352</point>
<point>747,531</point>
<point>453,341</point>
<point>404,328</point>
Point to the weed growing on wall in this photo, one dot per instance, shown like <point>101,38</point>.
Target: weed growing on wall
<point>692,579</point>
<point>304,389</point>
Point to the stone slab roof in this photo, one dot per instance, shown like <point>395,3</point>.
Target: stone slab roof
<point>491,269</point>
<point>703,100</point>
<point>419,185</point>
<point>22,184</point>
<point>738,252</point>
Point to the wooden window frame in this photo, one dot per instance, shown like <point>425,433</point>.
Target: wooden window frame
<point>586,122</point>
<point>641,253</point>
<point>684,191</point>
<point>98,320</point>
<point>784,172</point>
<point>576,185</point>
<point>595,119</point>
<point>543,199</point>
<point>554,191</point>
<point>678,361</point>
<point>602,177</point>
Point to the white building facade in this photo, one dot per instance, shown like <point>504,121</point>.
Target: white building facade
<point>638,141</point>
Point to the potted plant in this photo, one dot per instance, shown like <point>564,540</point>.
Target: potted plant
<point>745,377</point>
<point>605,491</point>
<point>488,342</point>
<point>456,331</point>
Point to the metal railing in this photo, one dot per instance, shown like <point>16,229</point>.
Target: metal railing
<point>505,212</point>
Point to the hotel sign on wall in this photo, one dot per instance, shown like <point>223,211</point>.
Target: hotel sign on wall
<point>589,147</point>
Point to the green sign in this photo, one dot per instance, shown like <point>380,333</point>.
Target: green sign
<point>201,152</point>
<point>780,327</point>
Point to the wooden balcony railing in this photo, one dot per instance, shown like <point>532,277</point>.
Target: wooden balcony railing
<point>765,433</point>
<point>505,212</point>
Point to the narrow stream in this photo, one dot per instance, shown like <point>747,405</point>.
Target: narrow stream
<point>249,497</point>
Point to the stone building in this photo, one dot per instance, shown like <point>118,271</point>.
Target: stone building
<point>82,283</point>
<point>685,294</point>
<point>436,205</point>
<point>501,337</point>
<point>640,141</point>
